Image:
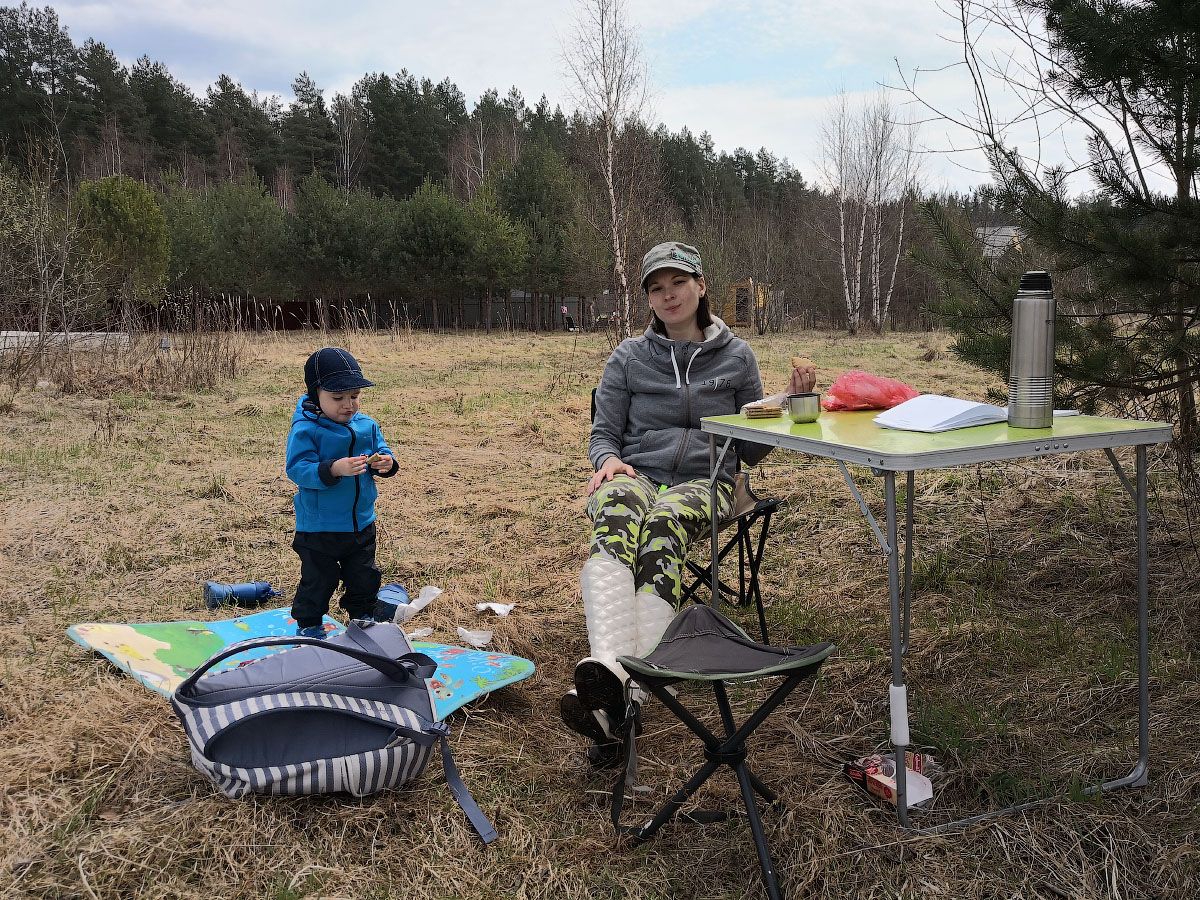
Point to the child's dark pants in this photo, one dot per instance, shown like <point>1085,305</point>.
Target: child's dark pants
<point>327,557</point>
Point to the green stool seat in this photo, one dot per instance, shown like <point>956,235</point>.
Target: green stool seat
<point>700,644</point>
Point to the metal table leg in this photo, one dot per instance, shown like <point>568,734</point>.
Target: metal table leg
<point>899,615</point>
<point>908,551</point>
<point>897,692</point>
<point>1139,775</point>
<point>900,620</point>
<point>886,544</point>
<point>715,460</point>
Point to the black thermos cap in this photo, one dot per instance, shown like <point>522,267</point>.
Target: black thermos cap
<point>1036,281</point>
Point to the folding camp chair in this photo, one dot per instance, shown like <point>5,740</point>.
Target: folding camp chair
<point>701,645</point>
<point>748,511</point>
<point>751,521</point>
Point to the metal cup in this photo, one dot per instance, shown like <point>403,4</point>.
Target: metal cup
<point>802,408</point>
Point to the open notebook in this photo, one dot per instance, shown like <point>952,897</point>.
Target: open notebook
<point>933,412</point>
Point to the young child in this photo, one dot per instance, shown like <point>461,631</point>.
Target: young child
<point>334,453</point>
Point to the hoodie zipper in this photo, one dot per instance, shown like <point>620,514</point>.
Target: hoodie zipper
<point>687,416</point>
<point>354,508</point>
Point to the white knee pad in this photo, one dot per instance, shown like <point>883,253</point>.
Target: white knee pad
<point>608,608</point>
<point>652,614</point>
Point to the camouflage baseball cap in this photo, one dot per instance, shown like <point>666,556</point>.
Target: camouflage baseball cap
<point>671,255</point>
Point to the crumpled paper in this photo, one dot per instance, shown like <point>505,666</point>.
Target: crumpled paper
<point>500,609</point>
<point>474,638</point>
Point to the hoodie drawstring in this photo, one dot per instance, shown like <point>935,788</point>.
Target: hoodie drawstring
<point>687,374</point>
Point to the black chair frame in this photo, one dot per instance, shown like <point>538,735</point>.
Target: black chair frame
<point>751,549</point>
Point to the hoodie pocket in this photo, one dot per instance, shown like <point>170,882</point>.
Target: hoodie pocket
<point>307,506</point>
<point>660,442</point>
<point>659,449</point>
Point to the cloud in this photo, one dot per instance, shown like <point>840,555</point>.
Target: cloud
<point>753,73</point>
<point>265,44</point>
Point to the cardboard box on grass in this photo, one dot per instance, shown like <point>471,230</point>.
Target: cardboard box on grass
<point>877,775</point>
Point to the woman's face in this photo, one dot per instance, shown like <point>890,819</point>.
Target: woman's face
<point>675,296</point>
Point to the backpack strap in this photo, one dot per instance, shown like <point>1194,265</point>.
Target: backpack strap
<point>403,669</point>
<point>359,636</point>
<point>483,827</point>
<point>439,732</point>
<point>627,779</point>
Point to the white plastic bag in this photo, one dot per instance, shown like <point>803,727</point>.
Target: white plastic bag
<point>428,594</point>
<point>500,609</point>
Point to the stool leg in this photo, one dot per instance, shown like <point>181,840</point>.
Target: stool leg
<point>763,791</point>
<point>669,809</point>
<point>756,830</point>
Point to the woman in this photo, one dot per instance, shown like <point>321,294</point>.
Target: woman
<point>649,497</point>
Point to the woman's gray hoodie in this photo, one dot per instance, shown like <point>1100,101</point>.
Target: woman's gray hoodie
<point>654,392</point>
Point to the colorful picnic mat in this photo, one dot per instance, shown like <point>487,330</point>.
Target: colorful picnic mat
<point>161,654</point>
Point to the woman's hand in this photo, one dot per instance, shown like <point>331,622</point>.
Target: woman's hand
<point>348,466</point>
<point>608,469</point>
<point>804,376</point>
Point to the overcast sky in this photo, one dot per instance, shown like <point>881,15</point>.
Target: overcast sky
<point>753,73</point>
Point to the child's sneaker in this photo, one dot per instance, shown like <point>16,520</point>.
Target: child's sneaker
<point>312,631</point>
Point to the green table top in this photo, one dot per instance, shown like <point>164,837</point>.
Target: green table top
<point>854,437</point>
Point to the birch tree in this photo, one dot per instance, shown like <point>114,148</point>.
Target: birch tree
<point>869,164</point>
<point>349,129</point>
<point>604,61</point>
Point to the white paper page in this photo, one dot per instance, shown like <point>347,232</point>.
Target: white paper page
<point>934,412</point>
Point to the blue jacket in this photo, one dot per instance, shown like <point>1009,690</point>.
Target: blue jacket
<point>324,501</point>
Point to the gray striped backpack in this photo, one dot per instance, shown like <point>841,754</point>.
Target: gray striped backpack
<point>348,713</point>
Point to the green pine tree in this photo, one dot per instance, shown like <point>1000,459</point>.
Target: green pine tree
<point>1126,259</point>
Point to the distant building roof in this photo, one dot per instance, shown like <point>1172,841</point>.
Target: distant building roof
<point>998,239</point>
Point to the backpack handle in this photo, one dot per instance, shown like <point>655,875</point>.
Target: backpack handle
<point>409,665</point>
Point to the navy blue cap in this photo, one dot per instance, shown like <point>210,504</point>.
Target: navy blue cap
<point>335,370</point>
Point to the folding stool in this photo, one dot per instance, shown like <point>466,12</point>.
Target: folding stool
<point>701,645</point>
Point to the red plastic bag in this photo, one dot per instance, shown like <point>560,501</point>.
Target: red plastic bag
<point>862,390</point>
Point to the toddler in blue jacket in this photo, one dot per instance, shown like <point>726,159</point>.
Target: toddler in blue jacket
<point>334,454</point>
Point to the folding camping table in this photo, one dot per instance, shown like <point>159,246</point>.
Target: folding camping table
<point>853,437</point>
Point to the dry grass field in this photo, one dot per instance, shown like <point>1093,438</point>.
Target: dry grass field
<point>117,507</point>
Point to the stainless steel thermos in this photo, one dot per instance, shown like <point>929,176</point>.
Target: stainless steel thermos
<point>1031,354</point>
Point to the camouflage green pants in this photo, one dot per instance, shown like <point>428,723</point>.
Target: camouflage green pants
<point>649,529</point>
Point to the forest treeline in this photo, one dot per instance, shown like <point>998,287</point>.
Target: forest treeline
<point>397,190</point>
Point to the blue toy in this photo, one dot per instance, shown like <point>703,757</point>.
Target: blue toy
<point>389,599</point>
<point>247,594</point>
